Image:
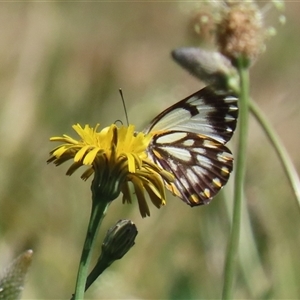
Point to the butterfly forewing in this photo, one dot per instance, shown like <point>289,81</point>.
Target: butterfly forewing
<point>188,141</point>
<point>209,112</point>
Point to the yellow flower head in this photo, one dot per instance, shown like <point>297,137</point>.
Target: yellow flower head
<point>116,156</point>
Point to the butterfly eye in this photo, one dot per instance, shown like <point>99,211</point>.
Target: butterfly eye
<point>189,141</point>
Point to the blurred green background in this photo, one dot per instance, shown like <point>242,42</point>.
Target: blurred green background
<point>63,63</point>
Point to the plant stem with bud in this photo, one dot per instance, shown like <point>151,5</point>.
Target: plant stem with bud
<point>97,214</point>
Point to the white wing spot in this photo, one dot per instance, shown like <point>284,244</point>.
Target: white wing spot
<point>206,193</point>
<point>200,151</point>
<point>233,108</point>
<point>216,181</point>
<point>224,157</point>
<point>196,101</point>
<point>184,182</point>
<point>188,143</point>
<point>171,138</point>
<point>210,144</point>
<point>204,161</point>
<point>179,153</point>
<point>199,170</point>
<point>225,170</point>
<point>220,157</point>
<point>191,175</point>
<point>173,165</point>
<point>229,118</point>
<point>230,99</point>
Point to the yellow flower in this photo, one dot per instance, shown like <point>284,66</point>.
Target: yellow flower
<point>116,156</point>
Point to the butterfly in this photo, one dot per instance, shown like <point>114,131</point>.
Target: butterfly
<point>188,140</point>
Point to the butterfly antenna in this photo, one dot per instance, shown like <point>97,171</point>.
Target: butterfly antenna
<point>125,110</point>
<point>119,121</point>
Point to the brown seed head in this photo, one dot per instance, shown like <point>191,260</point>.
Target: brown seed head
<point>240,32</point>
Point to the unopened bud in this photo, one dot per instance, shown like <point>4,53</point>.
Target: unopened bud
<point>12,279</point>
<point>118,240</point>
<point>209,66</point>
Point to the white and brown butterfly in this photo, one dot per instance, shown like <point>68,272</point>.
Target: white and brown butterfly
<point>188,141</point>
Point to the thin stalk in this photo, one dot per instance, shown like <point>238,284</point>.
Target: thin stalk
<point>240,166</point>
<point>283,156</point>
<point>97,215</point>
<point>96,272</point>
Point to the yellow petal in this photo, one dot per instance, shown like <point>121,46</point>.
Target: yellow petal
<point>81,153</point>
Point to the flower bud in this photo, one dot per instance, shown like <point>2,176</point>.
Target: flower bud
<point>118,240</point>
<point>12,279</point>
<point>211,67</point>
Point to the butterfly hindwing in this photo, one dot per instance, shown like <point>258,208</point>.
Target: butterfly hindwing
<point>188,141</point>
<point>201,166</point>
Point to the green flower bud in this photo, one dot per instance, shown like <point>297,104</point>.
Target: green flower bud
<point>118,240</point>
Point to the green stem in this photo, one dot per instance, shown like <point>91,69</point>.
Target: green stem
<point>97,215</point>
<point>240,167</point>
<point>96,272</point>
<point>284,158</point>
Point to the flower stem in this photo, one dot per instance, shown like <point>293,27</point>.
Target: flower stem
<point>97,214</point>
<point>96,272</point>
<point>284,158</point>
<point>232,250</point>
